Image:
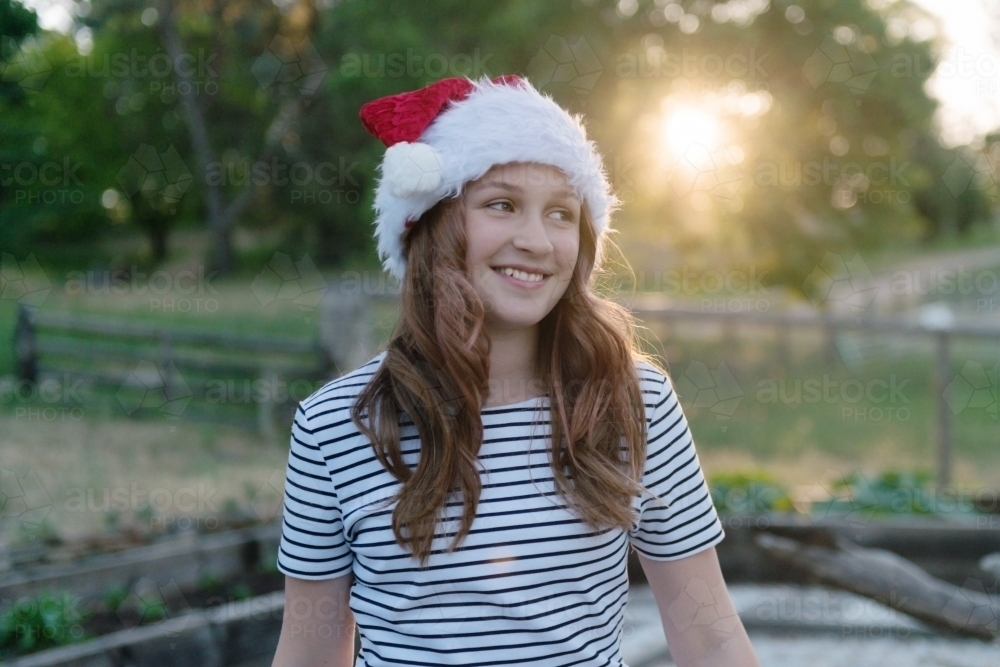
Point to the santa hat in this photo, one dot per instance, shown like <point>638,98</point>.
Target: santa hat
<point>453,131</point>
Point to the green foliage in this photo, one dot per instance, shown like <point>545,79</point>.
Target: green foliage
<point>242,592</point>
<point>16,23</point>
<point>151,611</point>
<point>268,563</point>
<point>891,492</point>
<point>230,506</point>
<point>43,532</point>
<point>16,20</point>
<point>112,519</point>
<point>115,596</point>
<point>748,493</point>
<point>209,582</point>
<point>145,515</point>
<point>45,621</point>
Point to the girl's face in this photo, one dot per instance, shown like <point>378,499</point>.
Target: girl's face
<point>521,216</point>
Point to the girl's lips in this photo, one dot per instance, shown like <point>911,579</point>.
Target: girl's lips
<point>523,284</point>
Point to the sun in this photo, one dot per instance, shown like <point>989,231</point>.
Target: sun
<point>687,130</point>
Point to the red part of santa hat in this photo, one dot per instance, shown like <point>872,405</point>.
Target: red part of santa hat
<point>453,131</point>
<point>404,117</point>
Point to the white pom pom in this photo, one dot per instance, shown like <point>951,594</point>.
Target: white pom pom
<point>412,169</point>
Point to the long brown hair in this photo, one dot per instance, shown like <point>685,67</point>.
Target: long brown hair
<point>436,371</point>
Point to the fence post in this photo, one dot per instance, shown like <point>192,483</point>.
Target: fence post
<point>784,337</point>
<point>729,332</point>
<point>942,377</point>
<point>165,368</point>
<point>345,327</point>
<point>829,340</point>
<point>266,406</point>
<point>25,347</point>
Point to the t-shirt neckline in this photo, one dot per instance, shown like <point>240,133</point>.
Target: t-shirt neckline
<point>507,406</point>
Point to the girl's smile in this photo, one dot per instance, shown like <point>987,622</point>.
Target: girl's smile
<point>523,277</point>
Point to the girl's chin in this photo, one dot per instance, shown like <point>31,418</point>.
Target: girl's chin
<point>505,322</point>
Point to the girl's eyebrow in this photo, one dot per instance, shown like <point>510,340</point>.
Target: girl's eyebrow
<point>511,187</point>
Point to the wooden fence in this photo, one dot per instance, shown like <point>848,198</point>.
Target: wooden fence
<point>200,374</point>
<point>97,348</point>
<point>934,323</point>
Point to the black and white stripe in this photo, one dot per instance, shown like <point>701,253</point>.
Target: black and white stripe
<point>531,584</point>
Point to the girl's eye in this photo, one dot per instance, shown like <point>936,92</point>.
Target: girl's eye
<point>501,205</point>
<point>566,216</point>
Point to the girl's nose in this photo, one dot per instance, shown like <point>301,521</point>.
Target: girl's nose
<point>533,236</point>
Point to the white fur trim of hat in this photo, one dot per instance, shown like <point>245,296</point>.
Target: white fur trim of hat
<point>467,128</point>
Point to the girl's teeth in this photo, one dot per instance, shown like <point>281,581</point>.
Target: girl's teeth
<point>521,275</point>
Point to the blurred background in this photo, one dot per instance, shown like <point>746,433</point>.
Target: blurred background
<point>809,237</point>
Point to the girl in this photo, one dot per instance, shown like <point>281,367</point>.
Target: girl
<point>469,496</point>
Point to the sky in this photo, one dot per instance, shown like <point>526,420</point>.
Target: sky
<point>967,79</point>
<point>966,82</point>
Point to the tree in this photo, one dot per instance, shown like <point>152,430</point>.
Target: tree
<point>825,138</point>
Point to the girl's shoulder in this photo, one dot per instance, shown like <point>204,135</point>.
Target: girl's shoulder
<point>339,394</point>
<point>650,374</point>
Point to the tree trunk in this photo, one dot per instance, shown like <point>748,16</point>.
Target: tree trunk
<point>894,581</point>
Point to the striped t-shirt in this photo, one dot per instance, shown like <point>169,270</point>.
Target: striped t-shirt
<point>531,584</point>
